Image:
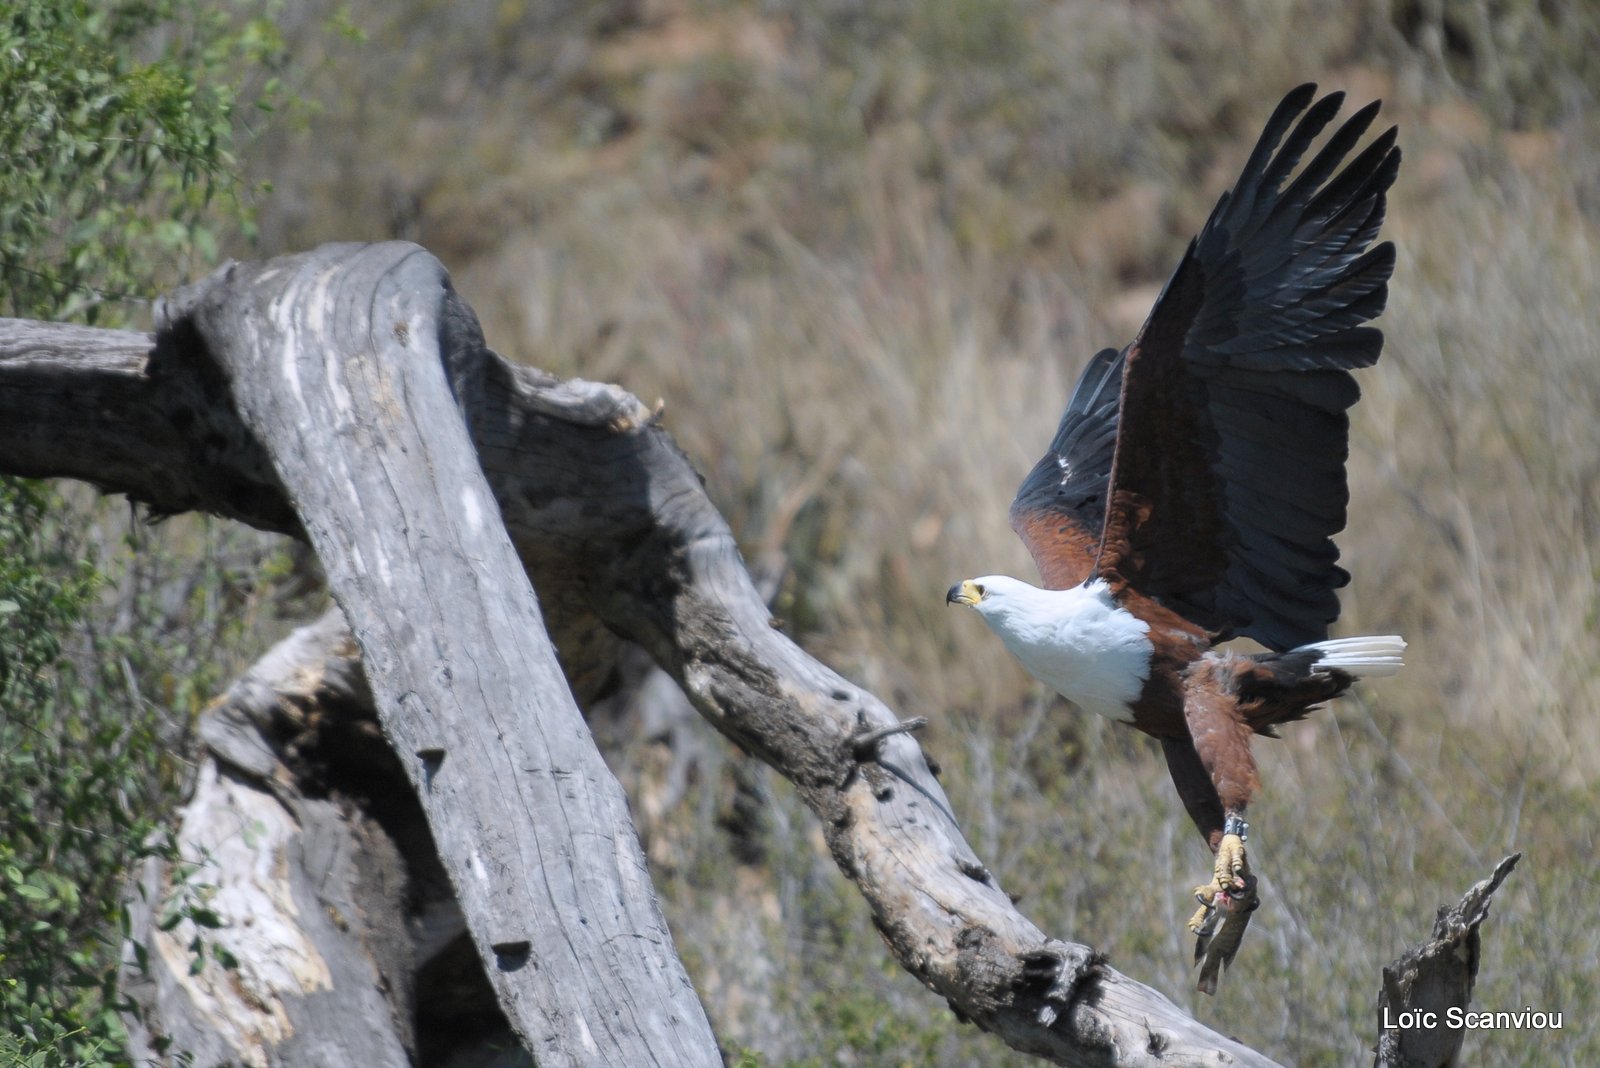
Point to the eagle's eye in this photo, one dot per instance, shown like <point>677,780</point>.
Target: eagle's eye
<point>979,588</point>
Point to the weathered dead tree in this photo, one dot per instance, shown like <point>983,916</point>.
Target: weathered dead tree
<point>346,396</point>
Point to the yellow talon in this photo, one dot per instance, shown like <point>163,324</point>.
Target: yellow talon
<point>1231,867</point>
<point>1207,896</point>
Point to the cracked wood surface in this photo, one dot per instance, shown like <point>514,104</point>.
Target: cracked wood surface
<point>613,526</point>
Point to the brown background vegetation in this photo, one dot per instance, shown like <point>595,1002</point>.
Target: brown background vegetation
<point>860,251</point>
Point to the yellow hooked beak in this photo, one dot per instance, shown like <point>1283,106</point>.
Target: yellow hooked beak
<point>965,592</point>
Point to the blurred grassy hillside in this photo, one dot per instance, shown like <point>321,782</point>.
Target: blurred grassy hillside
<point>861,250</point>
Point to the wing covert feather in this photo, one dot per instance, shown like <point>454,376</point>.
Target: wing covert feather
<point>1059,509</point>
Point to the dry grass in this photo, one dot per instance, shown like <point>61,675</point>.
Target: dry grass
<point>861,250</point>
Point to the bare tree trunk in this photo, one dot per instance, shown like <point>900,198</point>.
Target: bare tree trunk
<point>308,895</point>
<point>334,367</point>
<point>612,525</point>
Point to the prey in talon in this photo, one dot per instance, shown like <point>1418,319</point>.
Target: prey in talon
<point>1226,903</point>
<point>1195,482</point>
<point>1219,934</point>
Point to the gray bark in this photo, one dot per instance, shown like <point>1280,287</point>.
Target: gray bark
<point>613,526</point>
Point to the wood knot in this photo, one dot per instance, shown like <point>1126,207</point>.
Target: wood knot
<point>1058,973</point>
<point>973,870</point>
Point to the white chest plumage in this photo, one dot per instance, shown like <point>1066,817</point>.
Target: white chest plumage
<point>1079,642</point>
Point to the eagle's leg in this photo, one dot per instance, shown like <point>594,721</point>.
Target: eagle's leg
<point>1199,797</point>
<point>1221,742</point>
<point>1232,887</point>
<point>1219,757</point>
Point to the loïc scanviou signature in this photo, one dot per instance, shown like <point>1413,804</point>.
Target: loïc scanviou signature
<point>1456,1018</point>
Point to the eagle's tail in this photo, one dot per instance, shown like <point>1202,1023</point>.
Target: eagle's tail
<point>1374,656</point>
<point>1283,687</point>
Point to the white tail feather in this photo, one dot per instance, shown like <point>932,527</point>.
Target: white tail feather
<point>1374,656</point>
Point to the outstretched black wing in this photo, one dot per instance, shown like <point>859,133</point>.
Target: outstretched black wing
<point>1227,481</point>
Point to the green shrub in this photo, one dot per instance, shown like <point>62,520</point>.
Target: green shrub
<point>125,113</point>
<point>117,122</point>
<point>74,791</point>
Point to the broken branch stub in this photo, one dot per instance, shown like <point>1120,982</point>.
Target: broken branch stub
<point>307,896</point>
<point>1435,977</point>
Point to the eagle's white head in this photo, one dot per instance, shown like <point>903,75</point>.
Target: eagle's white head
<point>1012,607</point>
<point>1077,641</point>
<point>992,593</point>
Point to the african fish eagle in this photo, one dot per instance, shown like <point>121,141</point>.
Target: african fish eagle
<point>1196,479</point>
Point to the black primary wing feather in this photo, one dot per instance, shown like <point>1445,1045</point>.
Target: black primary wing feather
<point>1060,508</point>
<point>1228,482</point>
